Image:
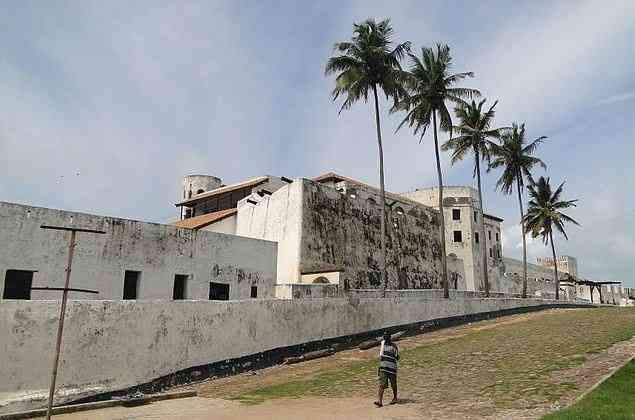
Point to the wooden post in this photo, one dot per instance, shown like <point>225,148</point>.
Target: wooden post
<point>65,290</point>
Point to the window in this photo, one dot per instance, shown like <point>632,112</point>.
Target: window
<point>491,253</point>
<point>131,284</point>
<point>497,237</point>
<point>254,292</point>
<point>476,237</point>
<point>17,284</point>
<point>458,236</point>
<point>218,291</point>
<point>489,235</point>
<point>200,191</point>
<point>399,211</point>
<point>180,286</point>
<point>475,216</point>
<point>456,214</point>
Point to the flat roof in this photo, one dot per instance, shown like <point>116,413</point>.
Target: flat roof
<point>199,222</point>
<point>222,190</point>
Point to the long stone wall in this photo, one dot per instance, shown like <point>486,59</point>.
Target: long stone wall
<point>157,252</point>
<point>110,345</point>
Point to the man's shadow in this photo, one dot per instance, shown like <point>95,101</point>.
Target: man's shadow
<point>402,401</point>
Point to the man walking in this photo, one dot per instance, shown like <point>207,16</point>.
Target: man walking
<point>388,356</point>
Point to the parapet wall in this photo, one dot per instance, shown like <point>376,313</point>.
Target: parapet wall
<point>112,345</point>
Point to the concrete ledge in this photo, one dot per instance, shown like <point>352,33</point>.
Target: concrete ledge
<point>73,408</point>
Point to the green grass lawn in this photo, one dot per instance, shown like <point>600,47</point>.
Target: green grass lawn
<point>514,366</point>
<point>614,400</point>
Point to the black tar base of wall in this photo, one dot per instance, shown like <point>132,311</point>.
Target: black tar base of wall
<point>276,356</point>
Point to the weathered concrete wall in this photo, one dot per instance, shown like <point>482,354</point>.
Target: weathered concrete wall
<point>276,217</point>
<point>157,251</point>
<point>307,291</point>
<point>109,345</point>
<point>226,225</point>
<point>341,230</point>
<point>320,229</point>
<point>540,280</point>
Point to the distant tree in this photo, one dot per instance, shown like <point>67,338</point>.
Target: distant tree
<point>474,134</point>
<point>430,85</point>
<point>544,214</point>
<point>516,158</point>
<point>366,63</point>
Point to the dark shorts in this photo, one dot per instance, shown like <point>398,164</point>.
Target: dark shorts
<point>385,377</point>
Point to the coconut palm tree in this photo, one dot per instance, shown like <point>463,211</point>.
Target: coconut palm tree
<point>544,214</point>
<point>474,136</point>
<point>364,64</point>
<point>517,159</point>
<point>430,87</point>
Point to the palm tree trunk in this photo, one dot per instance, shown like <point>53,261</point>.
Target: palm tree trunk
<point>382,198</point>
<point>555,266</point>
<point>522,232</point>
<point>484,240</point>
<point>444,264</point>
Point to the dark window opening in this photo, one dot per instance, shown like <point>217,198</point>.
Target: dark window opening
<point>476,237</point>
<point>458,236</point>
<point>456,214</point>
<point>200,191</point>
<point>497,237</point>
<point>489,235</point>
<point>180,285</point>
<point>491,253</point>
<point>475,216</point>
<point>254,292</point>
<point>218,291</point>
<point>17,284</point>
<point>131,284</point>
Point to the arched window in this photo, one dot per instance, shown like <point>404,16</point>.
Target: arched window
<point>200,191</point>
<point>321,280</point>
<point>399,210</point>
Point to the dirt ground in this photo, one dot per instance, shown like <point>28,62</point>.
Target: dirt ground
<point>441,394</point>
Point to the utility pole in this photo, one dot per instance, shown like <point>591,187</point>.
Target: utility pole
<point>65,290</point>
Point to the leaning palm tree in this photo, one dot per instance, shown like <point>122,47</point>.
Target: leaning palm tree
<point>430,85</point>
<point>544,214</point>
<point>517,159</point>
<point>474,134</point>
<point>365,64</point>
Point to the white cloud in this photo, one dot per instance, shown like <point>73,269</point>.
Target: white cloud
<point>620,97</point>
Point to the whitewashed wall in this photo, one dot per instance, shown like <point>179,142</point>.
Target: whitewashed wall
<point>109,345</point>
<point>157,251</point>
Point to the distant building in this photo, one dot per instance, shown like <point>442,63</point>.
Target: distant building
<point>566,264</point>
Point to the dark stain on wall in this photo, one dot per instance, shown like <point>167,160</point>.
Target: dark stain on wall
<point>340,231</point>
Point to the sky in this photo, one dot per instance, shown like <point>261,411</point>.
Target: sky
<point>104,106</point>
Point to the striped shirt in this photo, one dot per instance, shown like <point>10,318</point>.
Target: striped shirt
<point>388,356</point>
